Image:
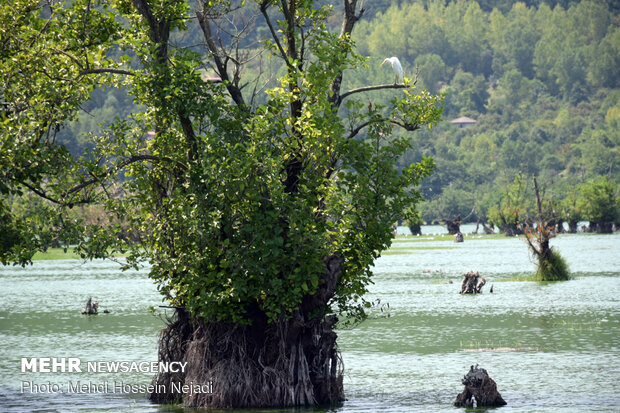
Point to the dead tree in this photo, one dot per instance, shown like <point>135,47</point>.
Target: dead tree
<point>454,225</point>
<point>479,387</point>
<point>486,230</point>
<point>471,283</point>
<point>551,266</point>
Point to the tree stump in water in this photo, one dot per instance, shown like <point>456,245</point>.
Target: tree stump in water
<point>482,388</point>
<point>91,308</point>
<point>471,285</point>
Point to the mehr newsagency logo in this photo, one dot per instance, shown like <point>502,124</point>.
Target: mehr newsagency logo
<point>75,365</point>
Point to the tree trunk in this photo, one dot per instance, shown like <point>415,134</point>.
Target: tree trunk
<point>262,365</point>
<point>481,388</point>
<point>572,227</point>
<point>487,230</point>
<point>292,362</point>
<point>454,225</point>
<point>415,228</point>
<point>605,227</point>
<point>512,230</point>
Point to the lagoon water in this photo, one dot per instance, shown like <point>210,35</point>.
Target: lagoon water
<point>550,347</point>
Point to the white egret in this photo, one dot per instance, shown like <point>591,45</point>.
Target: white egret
<point>396,66</point>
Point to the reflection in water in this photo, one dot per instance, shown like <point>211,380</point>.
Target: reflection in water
<point>549,346</point>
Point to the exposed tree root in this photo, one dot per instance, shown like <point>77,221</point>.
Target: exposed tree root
<point>282,365</point>
<point>173,343</point>
<point>292,362</point>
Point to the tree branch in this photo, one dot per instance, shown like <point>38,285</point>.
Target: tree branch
<point>98,179</point>
<point>274,35</point>
<point>145,10</point>
<point>107,70</point>
<point>369,88</point>
<point>44,195</point>
<point>350,18</point>
<point>233,89</point>
<point>404,125</point>
<point>159,31</point>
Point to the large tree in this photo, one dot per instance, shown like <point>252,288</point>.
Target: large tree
<point>260,221</point>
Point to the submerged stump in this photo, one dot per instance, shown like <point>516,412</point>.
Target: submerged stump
<point>472,283</point>
<point>479,387</point>
<point>91,308</point>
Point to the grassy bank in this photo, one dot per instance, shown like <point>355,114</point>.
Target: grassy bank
<point>56,254</point>
<point>445,237</point>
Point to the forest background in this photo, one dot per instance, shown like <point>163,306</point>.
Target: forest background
<point>541,78</point>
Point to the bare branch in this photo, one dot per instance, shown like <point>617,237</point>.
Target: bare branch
<point>369,88</point>
<point>70,56</point>
<point>98,179</point>
<point>44,195</point>
<point>274,35</point>
<point>45,26</point>
<point>221,65</point>
<point>350,18</point>
<point>107,70</point>
<point>404,125</point>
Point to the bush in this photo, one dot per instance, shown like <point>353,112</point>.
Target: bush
<point>554,268</point>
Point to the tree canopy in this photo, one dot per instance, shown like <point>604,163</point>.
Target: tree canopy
<point>235,204</point>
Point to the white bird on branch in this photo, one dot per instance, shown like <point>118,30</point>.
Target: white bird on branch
<point>396,66</point>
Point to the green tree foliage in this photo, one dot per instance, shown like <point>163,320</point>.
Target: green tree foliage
<point>599,202</point>
<point>514,209</point>
<point>248,213</point>
<point>540,78</point>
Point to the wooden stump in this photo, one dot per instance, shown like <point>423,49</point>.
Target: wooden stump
<point>91,308</point>
<point>471,283</point>
<point>479,387</point>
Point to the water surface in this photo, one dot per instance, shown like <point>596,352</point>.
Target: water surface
<point>551,347</point>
